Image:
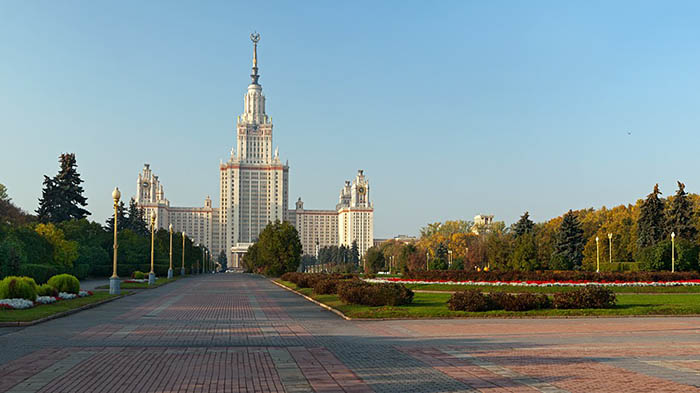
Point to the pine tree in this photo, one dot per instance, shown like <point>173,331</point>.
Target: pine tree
<point>524,225</point>
<point>136,220</point>
<point>650,226</point>
<point>679,218</point>
<point>62,197</point>
<point>122,220</point>
<point>568,252</point>
<point>221,259</point>
<point>354,253</point>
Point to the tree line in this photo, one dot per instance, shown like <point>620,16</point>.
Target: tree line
<point>59,237</point>
<point>634,236</point>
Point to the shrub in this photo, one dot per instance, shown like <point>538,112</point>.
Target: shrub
<point>385,294</point>
<point>47,290</point>
<point>586,297</point>
<point>469,300</point>
<point>519,302</point>
<point>18,288</point>
<point>138,275</point>
<point>65,283</point>
<point>326,286</point>
<point>80,271</point>
<point>40,273</point>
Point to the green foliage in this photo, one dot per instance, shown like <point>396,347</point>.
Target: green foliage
<point>13,287</point>
<point>446,229</point>
<point>62,197</point>
<point>680,215</point>
<point>47,290</point>
<point>3,193</point>
<point>277,251</point>
<point>354,253</point>
<point>221,258</point>
<point>65,283</point>
<point>360,292</point>
<point>40,273</point>
<point>65,252</point>
<point>122,221</point>
<point>374,260</point>
<point>135,220</point>
<point>586,297</point>
<point>138,275</point>
<point>523,226</point>
<point>498,249</point>
<point>12,256</point>
<point>650,226</point>
<point>524,256</point>
<point>568,252</point>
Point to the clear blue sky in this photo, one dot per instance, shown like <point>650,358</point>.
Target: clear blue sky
<point>451,108</point>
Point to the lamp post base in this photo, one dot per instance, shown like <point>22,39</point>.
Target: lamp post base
<point>114,286</point>
<point>170,274</point>
<point>151,278</point>
<point>182,271</point>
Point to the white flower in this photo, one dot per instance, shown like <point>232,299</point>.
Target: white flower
<point>83,293</point>
<point>18,303</point>
<point>66,296</point>
<point>45,299</point>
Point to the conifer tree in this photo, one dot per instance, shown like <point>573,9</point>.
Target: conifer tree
<point>679,218</point>
<point>524,225</point>
<point>136,220</point>
<point>650,226</point>
<point>122,220</point>
<point>354,252</point>
<point>62,197</point>
<point>568,252</point>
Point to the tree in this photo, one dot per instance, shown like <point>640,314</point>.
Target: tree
<point>354,253</point>
<point>374,260</point>
<point>65,252</point>
<point>62,197</point>
<point>222,259</point>
<point>679,218</point>
<point>277,251</point>
<point>524,225</point>
<point>122,220</point>
<point>524,256</point>
<point>650,226</point>
<point>136,220</point>
<point>439,262</point>
<point>3,193</point>
<point>9,213</point>
<point>568,252</point>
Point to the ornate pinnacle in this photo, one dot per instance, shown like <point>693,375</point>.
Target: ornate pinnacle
<point>255,37</point>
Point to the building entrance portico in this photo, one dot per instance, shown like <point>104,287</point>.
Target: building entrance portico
<point>237,253</point>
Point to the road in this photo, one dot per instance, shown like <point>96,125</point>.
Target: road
<point>241,333</point>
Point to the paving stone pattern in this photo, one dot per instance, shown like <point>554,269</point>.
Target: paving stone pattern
<point>241,333</point>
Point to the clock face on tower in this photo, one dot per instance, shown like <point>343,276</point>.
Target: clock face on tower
<point>145,184</point>
<point>361,190</point>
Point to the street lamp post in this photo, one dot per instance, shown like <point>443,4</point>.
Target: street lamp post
<point>201,268</point>
<point>673,252</point>
<point>170,270</point>
<point>597,251</point>
<point>182,269</point>
<point>114,283</point>
<point>610,245</point>
<point>449,255</point>
<point>427,265</point>
<point>152,273</point>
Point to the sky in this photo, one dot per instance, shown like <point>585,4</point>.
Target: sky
<point>452,108</point>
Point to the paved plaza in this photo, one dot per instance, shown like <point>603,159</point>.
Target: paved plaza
<point>241,333</point>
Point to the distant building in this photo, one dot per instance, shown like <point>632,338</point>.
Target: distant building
<point>482,223</point>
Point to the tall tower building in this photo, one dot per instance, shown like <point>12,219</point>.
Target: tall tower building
<point>253,182</point>
<point>356,214</point>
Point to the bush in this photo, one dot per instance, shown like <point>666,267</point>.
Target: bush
<point>138,275</point>
<point>47,290</point>
<point>65,283</point>
<point>586,297</point>
<point>326,286</point>
<point>469,300</point>
<point>18,288</point>
<point>519,302</point>
<point>40,273</point>
<point>81,271</point>
<point>385,294</point>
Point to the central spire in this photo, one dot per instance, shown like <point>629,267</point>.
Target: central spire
<point>255,37</point>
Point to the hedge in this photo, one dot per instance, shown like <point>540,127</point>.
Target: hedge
<point>14,287</point>
<point>40,273</point>
<point>586,297</point>
<point>385,294</point>
<point>65,283</point>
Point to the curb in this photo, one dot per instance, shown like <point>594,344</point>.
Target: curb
<point>60,314</point>
<point>327,307</point>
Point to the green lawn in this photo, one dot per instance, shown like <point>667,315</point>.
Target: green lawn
<point>46,310</point>
<point>434,305</point>
<point>143,285</point>
<point>522,289</point>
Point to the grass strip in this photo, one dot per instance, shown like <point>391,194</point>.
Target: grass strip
<point>46,310</point>
<point>143,285</point>
<point>434,305</point>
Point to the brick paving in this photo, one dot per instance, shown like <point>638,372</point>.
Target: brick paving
<point>240,333</point>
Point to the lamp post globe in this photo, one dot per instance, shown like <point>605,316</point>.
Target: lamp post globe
<point>114,283</point>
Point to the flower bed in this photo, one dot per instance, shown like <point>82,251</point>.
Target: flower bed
<point>136,281</point>
<point>537,283</point>
<point>21,304</point>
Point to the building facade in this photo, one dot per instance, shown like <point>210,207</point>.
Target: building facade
<point>253,191</point>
